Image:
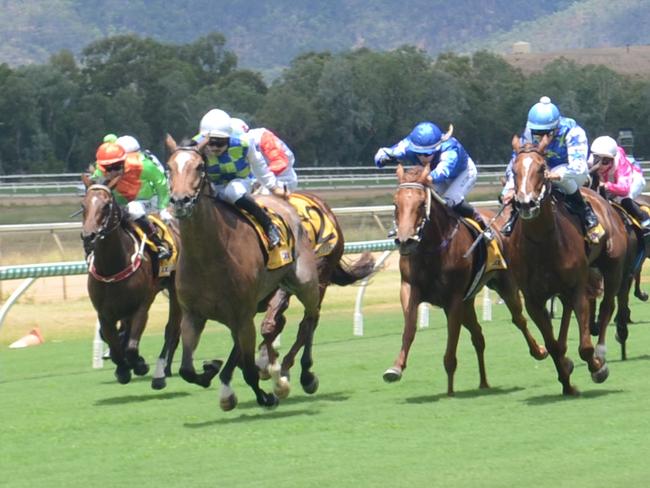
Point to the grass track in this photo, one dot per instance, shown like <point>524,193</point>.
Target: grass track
<point>65,424</point>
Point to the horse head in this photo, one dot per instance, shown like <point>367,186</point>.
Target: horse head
<point>412,205</point>
<point>101,214</point>
<point>187,175</point>
<point>531,183</point>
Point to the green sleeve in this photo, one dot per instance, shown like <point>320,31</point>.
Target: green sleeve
<point>155,177</point>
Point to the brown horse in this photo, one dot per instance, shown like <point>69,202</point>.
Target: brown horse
<point>643,200</point>
<point>550,258</point>
<point>432,243</point>
<point>222,274</point>
<point>331,269</point>
<point>122,285</point>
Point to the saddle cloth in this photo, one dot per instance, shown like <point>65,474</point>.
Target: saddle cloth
<point>319,226</point>
<point>494,258</point>
<point>166,266</point>
<point>282,254</point>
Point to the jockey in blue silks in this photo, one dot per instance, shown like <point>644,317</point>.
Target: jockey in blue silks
<point>566,158</point>
<point>453,173</point>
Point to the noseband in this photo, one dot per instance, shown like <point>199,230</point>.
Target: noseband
<point>536,202</point>
<point>190,201</point>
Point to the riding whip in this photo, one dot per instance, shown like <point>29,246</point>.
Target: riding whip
<point>482,233</point>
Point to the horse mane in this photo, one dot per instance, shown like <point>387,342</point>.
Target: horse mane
<point>413,174</point>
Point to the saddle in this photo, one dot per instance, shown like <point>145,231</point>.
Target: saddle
<point>598,231</point>
<point>283,253</point>
<point>166,266</point>
<point>641,233</point>
<point>488,258</point>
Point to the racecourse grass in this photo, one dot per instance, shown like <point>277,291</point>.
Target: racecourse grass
<point>65,424</point>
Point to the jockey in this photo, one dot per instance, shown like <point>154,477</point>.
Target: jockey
<point>453,173</point>
<point>233,165</point>
<point>566,157</point>
<point>131,145</point>
<point>142,188</point>
<point>279,158</point>
<point>621,180</point>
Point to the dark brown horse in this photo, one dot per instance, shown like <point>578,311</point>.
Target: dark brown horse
<point>550,258</point>
<point>644,201</point>
<point>222,274</point>
<point>432,243</point>
<point>332,268</point>
<point>122,285</point>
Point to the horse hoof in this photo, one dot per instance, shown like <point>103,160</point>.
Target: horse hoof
<point>541,353</point>
<point>212,368</point>
<point>282,388</point>
<point>391,375</point>
<point>123,375</point>
<point>643,296</point>
<point>570,391</point>
<point>158,383</point>
<point>310,387</point>
<point>270,401</point>
<point>228,403</point>
<point>141,368</point>
<point>601,375</point>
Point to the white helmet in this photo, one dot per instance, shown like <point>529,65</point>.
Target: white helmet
<point>239,127</point>
<point>604,146</point>
<point>129,143</point>
<point>216,123</point>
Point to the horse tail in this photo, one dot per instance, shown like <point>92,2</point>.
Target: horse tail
<point>347,272</point>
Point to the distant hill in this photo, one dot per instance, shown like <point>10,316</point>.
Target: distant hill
<point>267,35</point>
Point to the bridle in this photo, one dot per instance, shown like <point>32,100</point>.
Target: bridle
<point>418,232</point>
<point>535,203</point>
<point>183,207</point>
<point>109,223</point>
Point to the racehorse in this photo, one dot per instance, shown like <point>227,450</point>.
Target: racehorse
<point>222,274</point>
<point>122,285</point>
<point>643,200</point>
<point>550,258</point>
<point>636,254</point>
<point>331,269</point>
<point>433,268</point>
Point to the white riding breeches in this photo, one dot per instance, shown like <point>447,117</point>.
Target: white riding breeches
<point>570,181</point>
<point>454,191</point>
<point>234,189</point>
<point>140,208</point>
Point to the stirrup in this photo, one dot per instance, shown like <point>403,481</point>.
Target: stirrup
<point>392,233</point>
<point>273,235</point>
<point>646,224</point>
<point>595,233</point>
<point>164,253</point>
<point>488,234</point>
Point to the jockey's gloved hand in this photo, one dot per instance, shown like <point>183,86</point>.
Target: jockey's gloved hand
<point>382,157</point>
<point>165,215</point>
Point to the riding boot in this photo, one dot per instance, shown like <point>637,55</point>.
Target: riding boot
<point>635,210</point>
<point>464,209</point>
<point>150,230</point>
<point>509,226</point>
<point>587,215</point>
<point>392,233</point>
<point>247,203</point>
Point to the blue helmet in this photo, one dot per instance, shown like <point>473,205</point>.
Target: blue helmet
<point>424,138</point>
<point>543,115</point>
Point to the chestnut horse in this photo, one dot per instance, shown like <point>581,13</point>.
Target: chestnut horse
<point>550,258</point>
<point>432,243</point>
<point>332,268</point>
<point>222,275</point>
<point>122,285</point>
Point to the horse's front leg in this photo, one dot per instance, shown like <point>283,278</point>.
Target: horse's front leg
<point>454,313</point>
<point>410,299</point>
<point>597,365</point>
<point>271,327</point>
<point>137,323</point>
<point>556,348</point>
<point>244,337</point>
<point>172,337</point>
<point>110,334</point>
<point>470,321</point>
<point>191,328</point>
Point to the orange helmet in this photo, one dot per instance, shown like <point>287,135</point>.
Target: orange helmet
<point>109,153</point>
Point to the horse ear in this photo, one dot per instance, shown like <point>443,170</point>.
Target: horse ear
<point>113,182</point>
<point>543,143</point>
<point>86,180</point>
<point>170,143</point>
<point>202,144</point>
<point>400,173</point>
<point>516,143</point>
<point>426,169</point>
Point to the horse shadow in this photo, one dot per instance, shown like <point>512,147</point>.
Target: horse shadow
<point>543,400</point>
<point>126,399</point>
<point>271,416</point>
<point>468,394</point>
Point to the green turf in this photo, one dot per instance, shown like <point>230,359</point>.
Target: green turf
<point>65,424</point>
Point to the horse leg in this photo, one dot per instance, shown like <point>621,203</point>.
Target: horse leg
<point>638,292</point>
<point>509,292</point>
<point>623,317</point>
<point>410,299</point>
<point>471,323</point>
<point>137,323</point>
<point>172,336</point>
<point>110,334</point>
<point>271,327</point>
<point>191,328</point>
<point>596,365</point>
<point>245,343</point>
<point>454,314</point>
<point>556,348</point>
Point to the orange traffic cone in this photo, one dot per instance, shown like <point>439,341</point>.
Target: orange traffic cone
<point>34,338</point>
